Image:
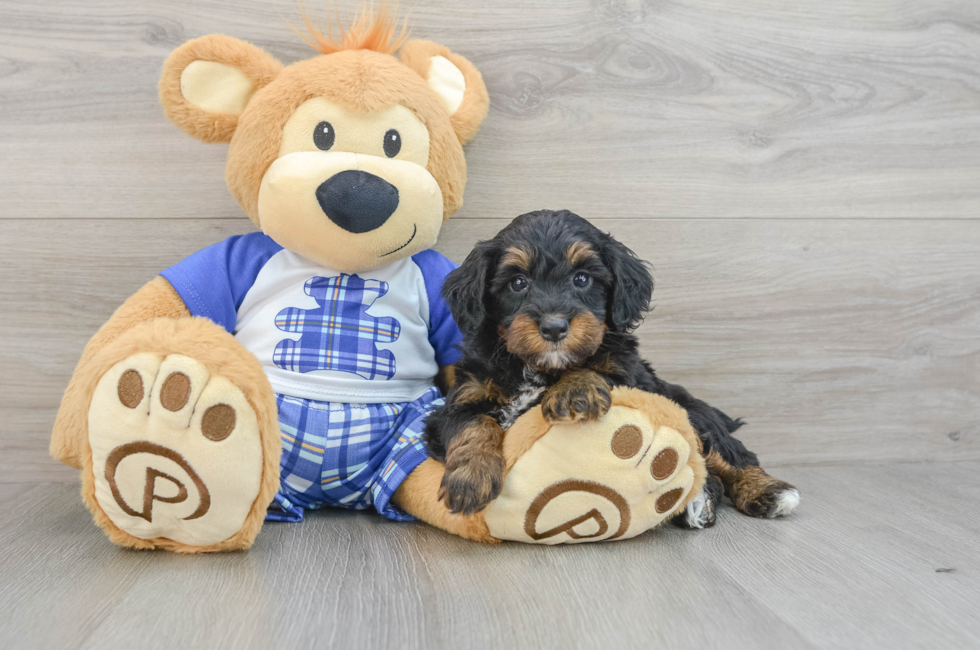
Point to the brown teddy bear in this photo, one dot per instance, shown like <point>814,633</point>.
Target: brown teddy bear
<point>293,368</point>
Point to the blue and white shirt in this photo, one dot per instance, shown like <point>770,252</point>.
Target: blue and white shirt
<point>365,338</point>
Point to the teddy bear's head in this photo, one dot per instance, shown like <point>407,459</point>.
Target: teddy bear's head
<point>353,158</point>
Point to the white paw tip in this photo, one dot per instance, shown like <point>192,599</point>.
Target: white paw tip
<point>786,503</point>
<point>695,514</point>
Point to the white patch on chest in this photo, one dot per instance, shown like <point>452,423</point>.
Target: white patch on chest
<point>529,394</point>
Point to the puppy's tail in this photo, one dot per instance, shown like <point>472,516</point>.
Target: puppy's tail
<point>730,424</point>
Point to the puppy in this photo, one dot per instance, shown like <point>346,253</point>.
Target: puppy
<point>547,309</point>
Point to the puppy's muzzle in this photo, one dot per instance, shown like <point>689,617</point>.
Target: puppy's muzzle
<point>357,201</point>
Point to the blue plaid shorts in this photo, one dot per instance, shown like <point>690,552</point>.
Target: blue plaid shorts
<point>348,455</point>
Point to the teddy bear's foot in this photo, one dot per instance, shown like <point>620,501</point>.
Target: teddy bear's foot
<point>177,456</point>
<point>610,479</point>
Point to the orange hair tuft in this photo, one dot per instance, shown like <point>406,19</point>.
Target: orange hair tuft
<point>370,30</point>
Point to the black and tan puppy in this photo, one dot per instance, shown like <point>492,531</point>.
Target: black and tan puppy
<point>547,309</point>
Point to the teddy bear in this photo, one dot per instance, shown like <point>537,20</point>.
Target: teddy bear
<point>293,368</point>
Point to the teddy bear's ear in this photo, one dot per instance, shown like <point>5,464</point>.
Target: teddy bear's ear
<point>207,82</point>
<point>457,82</point>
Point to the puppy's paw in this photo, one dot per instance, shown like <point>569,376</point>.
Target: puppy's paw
<point>469,487</point>
<point>752,490</point>
<point>700,511</point>
<point>770,499</point>
<point>577,397</point>
<point>474,467</point>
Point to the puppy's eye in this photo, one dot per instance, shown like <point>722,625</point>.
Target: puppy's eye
<point>393,143</point>
<point>519,284</point>
<point>582,279</point>
<point>323,135</point>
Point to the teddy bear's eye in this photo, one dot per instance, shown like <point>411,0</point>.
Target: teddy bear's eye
<point>323,135</point>
<point>393,143</point>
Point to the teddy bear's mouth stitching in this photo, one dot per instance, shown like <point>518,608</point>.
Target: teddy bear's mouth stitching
<point>415,230</point>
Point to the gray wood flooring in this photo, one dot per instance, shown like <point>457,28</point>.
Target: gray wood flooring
<point>805,179</point>
<point>878,556</point>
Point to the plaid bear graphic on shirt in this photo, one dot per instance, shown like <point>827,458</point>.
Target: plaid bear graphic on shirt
<point>339,334</point>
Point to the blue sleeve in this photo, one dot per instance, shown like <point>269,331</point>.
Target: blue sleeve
<point>213,281</point>
<point>444,336</point>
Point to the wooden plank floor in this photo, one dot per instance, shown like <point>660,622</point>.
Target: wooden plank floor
<point>878,556</point>
<point>805,179</point>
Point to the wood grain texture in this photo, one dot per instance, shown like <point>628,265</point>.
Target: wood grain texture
<point>617,108</point>
<point>837,341</point>
<point>803,176</point>
<point>850,569</point>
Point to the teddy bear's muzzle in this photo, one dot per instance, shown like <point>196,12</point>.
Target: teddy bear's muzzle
<point>350,212</point>
<point>357,201</point>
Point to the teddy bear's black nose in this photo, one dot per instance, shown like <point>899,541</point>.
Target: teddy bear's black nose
<point>357,201</point>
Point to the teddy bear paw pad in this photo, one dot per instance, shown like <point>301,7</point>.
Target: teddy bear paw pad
<point>605,480</point>
<point>176,451</point>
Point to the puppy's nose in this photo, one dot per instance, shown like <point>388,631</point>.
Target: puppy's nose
<point>553,328</point>
<point>357,201</point>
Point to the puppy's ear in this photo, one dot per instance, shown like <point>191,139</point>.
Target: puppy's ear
<point>207,82</point>
<point>465,289</point>
<point>632,287</point>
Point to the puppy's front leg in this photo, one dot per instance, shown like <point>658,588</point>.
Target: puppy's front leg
<point>474,466</point>
<point>580,395</point>
<point>468,441</point>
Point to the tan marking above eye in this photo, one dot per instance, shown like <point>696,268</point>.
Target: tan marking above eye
<point>579,252</point>
<point>175,392</point>
<point>130,389</point>
<point>515,256</point>
<point>627,440</point>
<point>664,464</point>
<point>355,131</point>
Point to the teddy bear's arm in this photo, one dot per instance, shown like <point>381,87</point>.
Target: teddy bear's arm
<point>446,378</point>
<point>156,299</point>
<point>418,495</point>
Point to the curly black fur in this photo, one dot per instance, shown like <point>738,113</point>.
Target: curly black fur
<point>530,274</point>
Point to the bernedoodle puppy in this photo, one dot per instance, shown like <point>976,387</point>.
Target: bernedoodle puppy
<point>547,309</point>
